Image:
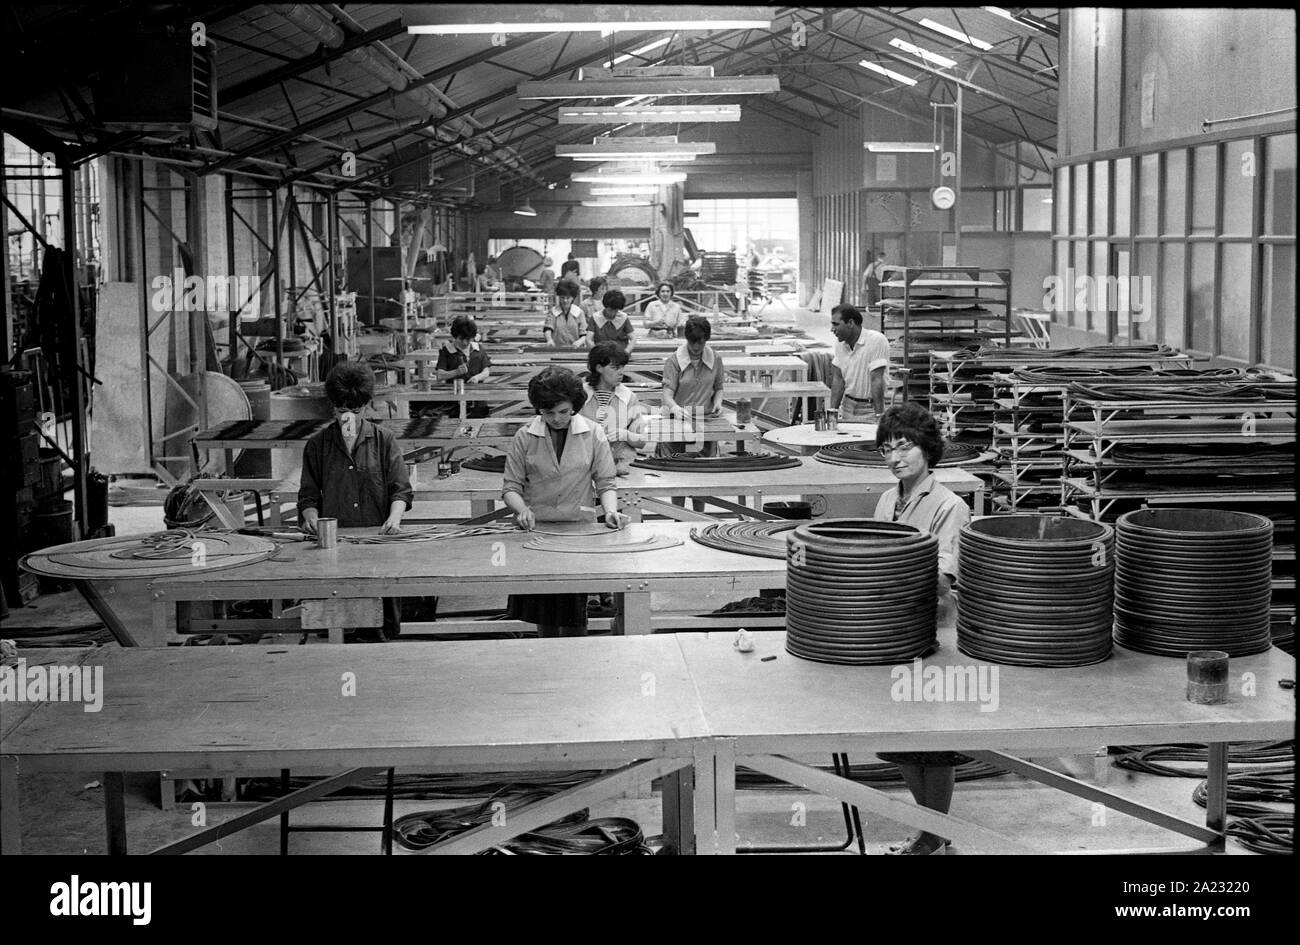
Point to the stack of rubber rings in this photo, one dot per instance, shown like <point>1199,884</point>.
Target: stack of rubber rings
<point>866,454</point>
<point>1193,579</point>
<point>1036,590</point>
<point>861,592</point>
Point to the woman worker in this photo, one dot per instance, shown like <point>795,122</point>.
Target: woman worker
<point>555,467</point>
<point>461,359</point>
<point>565,325</point>
<point>665,313</point>
<point>612,324</point>
<point>909,440</point>
<point>612,405</point>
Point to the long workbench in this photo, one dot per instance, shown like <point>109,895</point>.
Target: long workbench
<point>495,564</point>
<point>687,707</point>
<point>644,490</point>
<point>624,706</point>
<point>761,711</point>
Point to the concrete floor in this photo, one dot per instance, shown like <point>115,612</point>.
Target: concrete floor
<point>63,813</point>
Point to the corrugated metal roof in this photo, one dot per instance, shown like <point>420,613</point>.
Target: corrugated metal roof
<point>1010,89</point>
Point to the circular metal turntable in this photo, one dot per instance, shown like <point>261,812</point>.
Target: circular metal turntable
<point>158,554</point>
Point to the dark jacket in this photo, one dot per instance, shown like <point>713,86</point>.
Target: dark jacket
<point>357,489</point>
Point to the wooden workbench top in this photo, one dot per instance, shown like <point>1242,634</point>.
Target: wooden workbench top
<point>489,562</point>
<point>1131,698</point>
<point>503,393</point>
<point>499,703</point>
<point>811,476</point>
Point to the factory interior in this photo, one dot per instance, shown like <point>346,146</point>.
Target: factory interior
<point>361,360</point>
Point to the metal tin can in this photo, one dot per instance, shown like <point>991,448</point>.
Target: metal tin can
<point>744,412</point>
<point>458,387</point>
<point>327,532</point>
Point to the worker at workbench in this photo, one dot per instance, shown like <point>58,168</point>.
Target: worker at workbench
<point>612,324</point>
<point>353,471</point>
<point>693,379</point>
<point>565,325</point>
<point>591,306</point>
<point>909,440</point>
<point>663,313</point>
<point>612,404</point>
<point>858,368</point>
<point>556,466</point>
<point>461,359</point>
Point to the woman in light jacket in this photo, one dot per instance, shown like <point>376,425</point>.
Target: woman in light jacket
<point>612,405</point>
<point>556,466</point>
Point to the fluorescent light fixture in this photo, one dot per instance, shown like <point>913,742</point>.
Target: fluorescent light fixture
<point>628,190</point>
<point>614,151</point>
<point>646,114</point>
<point>889,73</point>
<point>943,62</point>
<point>618,202</point>
<point>1018,20</point>
<point>525,209</point>
<point>956,34</point>
<point>587,26</point>
<point>620,86</point>
<point>644,177</point>
<point>617,60</point>
<point>900,147</point>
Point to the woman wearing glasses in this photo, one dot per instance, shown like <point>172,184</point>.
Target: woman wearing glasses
<point>910,443</point>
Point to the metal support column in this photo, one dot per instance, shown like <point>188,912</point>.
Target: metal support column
<point>79,431</point>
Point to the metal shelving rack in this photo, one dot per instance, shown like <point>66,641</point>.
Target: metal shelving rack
<point>928,308</point>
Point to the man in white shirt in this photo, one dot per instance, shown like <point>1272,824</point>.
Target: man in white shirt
<point>859,367</point>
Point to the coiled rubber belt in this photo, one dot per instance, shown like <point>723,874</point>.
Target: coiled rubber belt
<point>760,539</point>
<point>1036,590</point>
<point>864,454</point>
<point>748,462</point>
<point>496,464</point>
<point>861,592</point>
<point>1117,352</point>
<point>1193,579</point>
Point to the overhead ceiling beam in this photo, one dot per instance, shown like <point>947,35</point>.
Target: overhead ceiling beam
<point>323,56</point>
<point>888,53</point>
<point>506,92</point>
<point>990,58</point>
<point>341,114</point>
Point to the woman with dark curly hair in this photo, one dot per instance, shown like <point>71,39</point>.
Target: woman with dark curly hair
<point>556,466</point>
<point>462,359</point>
<point>909,440</point>
<point>353,471</point>
<point>612,404</point>
<point>612,324</point>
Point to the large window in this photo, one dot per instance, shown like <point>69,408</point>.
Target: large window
<point>768,224</point>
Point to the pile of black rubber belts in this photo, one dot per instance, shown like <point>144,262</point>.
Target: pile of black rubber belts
<point>866,454</point>
<point>761,539</point>
<point>861,592</point>
<point>740,462</point>
<point>1193,579</point>
<point>496,464</point>
<point>1036,590</point>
